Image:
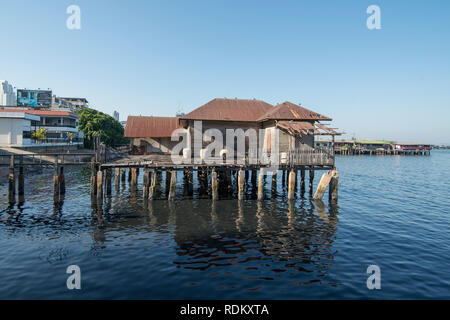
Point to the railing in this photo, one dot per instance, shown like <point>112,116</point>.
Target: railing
<point>309,157</point>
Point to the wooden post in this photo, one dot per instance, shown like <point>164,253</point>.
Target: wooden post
<point>311,181</point>
<point>56,181</point>
<point>93,177</point>
<point>241,180</point>
<point>108,181</point>
<point>291,184</point>
<point>214,185</point>
<point>322,186</point>
<point>261,184</point>
<point>283,177</point>
<point>62,181</point>
<point>129,174</point>
<point>99,186</point>
<point>134,176</point>
<point>173,183</point>
<point>146,183</point>
<point>333,190</point>
<point>167,184</point>
<point>124,174</point>
<point>12,181</point>
<point>21,187</point>
<point>302,181</point>
<point>253,179</point>
<point>151,191</point>
<point>117,177</point>
<point>274,182</point>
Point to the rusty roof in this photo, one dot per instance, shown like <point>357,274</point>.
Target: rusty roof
<point>304,128</point>
<point>230,110</point>
<point>290,111</point>
<point>155,127</point>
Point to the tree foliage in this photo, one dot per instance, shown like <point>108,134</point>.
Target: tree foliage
<point>40,134</point>
<point>92,121</point>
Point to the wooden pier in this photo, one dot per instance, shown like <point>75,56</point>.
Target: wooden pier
<point>216,181</point>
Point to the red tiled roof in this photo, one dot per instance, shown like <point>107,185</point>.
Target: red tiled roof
<point>229,110</point>
<point>291,111</point>
<point>43,112</point>
<point>155,127</point>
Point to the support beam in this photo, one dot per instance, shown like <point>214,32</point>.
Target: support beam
<point>311,181</point>
<point>99,187</point>
<point>274,182</point>
<point>11,181</point>
<point>302,182</point>
<point>333,190</point>
<point>21,180</point>
<point>152,189</point>
<point>93,178</point>
<point>146,183</point>
<point>214,185</point>
<point>56,181</point>
<point>291,184</point>
<point>117,177</point>
<point>322,186</point>
<point>108,174</point>
<point>261,184</point>
<point>134,177</point>
<point>173,184</point>
<point>241,183</point>
<point>62,182</point>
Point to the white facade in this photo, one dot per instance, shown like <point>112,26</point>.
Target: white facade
<point>7,94</point>
<point>13,125</point>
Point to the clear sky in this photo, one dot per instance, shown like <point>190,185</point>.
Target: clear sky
<point>158,57</point>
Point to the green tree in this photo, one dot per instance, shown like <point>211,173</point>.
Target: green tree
<point>92,121</point>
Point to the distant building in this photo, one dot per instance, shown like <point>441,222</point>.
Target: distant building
<point>58,102</point>
<point>116,116</point>
<point>77,103</point>
<point>61,127</point>
<point>7,94</point>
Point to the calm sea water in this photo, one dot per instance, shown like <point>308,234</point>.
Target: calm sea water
<point>393,212</point>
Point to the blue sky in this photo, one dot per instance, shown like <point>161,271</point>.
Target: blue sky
<point>158,57</point>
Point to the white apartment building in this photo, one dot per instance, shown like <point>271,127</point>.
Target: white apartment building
<point>7,94</point>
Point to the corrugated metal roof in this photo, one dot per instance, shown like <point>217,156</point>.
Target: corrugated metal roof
<point>155,127</point>
<point>297,127</point>
<point>230,110</point>
<point>290,111</point>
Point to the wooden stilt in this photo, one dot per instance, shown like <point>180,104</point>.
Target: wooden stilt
<point>333,190</point>
<point>93,178</point>
<point>322,186</point>
<point>21,180</point>
<point>151,191</point>
<point>274,182</point>
<point>108,174</point>
<point>134,176</point>
<point>145,183</point>
<point>291,185</point>
<point>173,183</point>
<point>130,174</point>
<point>311,181</point>
<point>117,177</point>
<point>124,174</point>
<point>261,184</point>
<point>214,185</point>
<point>302,182</point>
<point>253,178</point>
<point>99,187</point>
<point>62,181</point>
<point>241,182</point>
<point>56,181</point>
<point>11,181</point>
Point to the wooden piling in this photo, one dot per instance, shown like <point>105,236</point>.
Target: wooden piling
<point>214,185</point>
<point>261,184</point>
<point>108,181</point>
<point>291,185</point>
<point>302,182</point>
<point>274,182</point>
<point>56,181</point>
<point>322,186</point>
<point>62,181</point>
<point>146,183</point>
<point>99,186</point>
<point>151,190</point>
<point>124,175</point>
<point>117,177</point>
<point>21,180</point>
<point>241,181</point>
<point>134,176</point>
<point>11,181</point>
<point>173,183</point>
<point>333,189</point>
<point>311,181</point>
<point>93,177</point>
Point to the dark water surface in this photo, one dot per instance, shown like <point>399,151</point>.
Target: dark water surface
<point>393,212</point>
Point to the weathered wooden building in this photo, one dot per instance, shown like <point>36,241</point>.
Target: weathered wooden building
<point>151,134</point>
